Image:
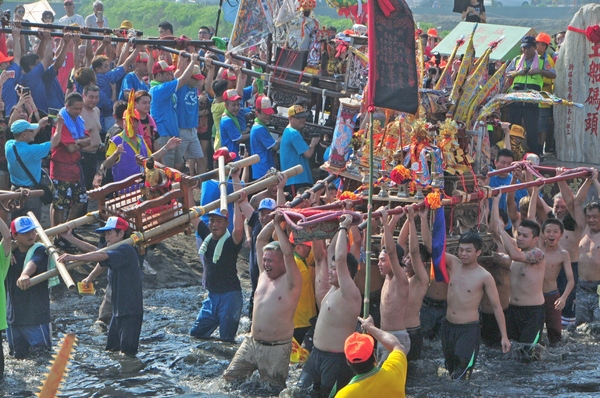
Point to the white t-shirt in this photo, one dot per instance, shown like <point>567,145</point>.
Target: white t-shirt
<point>75,18</point>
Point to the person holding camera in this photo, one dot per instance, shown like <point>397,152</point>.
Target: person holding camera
<point>31,156</point>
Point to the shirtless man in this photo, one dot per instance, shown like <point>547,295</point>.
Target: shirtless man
<point>499,267</point>
<point>589,265</point>
<point>469,281</point>
<point>568,208</point>
<point>418,280</point>
<point>340,308</point>
<point>394,293</point>
<point>557,259</point>
<point>526,310</point>
<point>269,347</point>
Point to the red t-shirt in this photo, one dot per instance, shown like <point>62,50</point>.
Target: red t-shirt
<point>64,165</point>
<point>65,71</point>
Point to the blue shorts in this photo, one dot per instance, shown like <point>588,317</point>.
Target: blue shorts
<point>219,310</point>
<point>21,338</point>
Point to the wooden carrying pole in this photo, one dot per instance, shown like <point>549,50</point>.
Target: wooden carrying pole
<point>316,187</point>
<point>78,222</point>
<point>214,174</point>
<point>194,212</point>
<point>51,250</point>
<point>305,88</point>
<point>223,185</point>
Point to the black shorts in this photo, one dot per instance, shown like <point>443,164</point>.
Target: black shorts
<point>206,136</point>
<point>490,331</point>
<point>525,323</point>
<point>416,343</point>
<point>323,370</point>
<point>460,344</point>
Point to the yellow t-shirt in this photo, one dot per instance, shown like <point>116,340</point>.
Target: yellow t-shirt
<point>217,109</point>
<point>307,306</point>
<point>388,381</point>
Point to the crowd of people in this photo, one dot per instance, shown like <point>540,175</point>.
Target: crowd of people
<point>83,110</point>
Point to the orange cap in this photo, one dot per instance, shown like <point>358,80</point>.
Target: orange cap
<point>543,38</point>
<point>358,347</point>
<point>432,32</point>
<point>307,243</point>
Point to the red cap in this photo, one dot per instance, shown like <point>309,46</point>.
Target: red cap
<point>231,95</point>
<point>4,58</point>
<point>228,74</point>
<point>358,347</point>
<point>307,243</point>
<point>142,57</point>
<point>229,156</point>
<point>264,104</point>
<point>197,73</point>
<point>432,32</point>
<point>114,223</point>
<point>162,66</point>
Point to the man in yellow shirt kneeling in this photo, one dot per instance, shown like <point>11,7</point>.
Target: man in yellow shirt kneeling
<point>371,381</point>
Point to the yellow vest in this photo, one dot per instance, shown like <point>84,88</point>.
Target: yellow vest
<point>535,80</point>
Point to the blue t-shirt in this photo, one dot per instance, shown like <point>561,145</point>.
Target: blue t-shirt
<point>31,155</point>
<point>230,134</point>
<point>54,92</point>
<point>247,94</point>
<point>104,80</point>
<point>132,82</point>
<point>34,81</point>
<point>261,143</point>
<point>9,95</point>
<point>187,107</point>
<point>163,108</point>
<point>210,193</point>
<point>291,152</point>
<point>495,182</point>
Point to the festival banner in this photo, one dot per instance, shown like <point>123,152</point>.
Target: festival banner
<point>253,23</point>
<point>393,81</point>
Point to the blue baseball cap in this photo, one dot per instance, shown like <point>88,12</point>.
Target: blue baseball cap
<point>267,204</point>
<point>22,125</point>
<point>216,212</point>
<point>22,225</point>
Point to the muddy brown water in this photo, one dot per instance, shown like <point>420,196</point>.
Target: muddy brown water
<point>171,363</point>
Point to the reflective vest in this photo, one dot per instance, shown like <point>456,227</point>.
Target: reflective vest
<point>535,80</point>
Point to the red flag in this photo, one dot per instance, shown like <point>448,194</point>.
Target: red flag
<point>393,82</point>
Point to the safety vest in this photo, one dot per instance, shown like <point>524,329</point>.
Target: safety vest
<point>535,80</point>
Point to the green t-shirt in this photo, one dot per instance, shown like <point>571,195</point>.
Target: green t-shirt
<point>217,110</point>
<point>4,264</point>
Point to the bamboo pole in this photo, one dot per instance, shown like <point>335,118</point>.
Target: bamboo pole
<point>368,248</point>
<point>193,213</point>
<point>315,188</point>
<point>78,222</point>
<point>488,192</point>
<point>223,185</point>
<point>303,87</point>
<point>106,31</point>
<point>213,174</point>
<point>51,250</point>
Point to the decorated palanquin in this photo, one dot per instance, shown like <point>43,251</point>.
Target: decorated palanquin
<point>147,200</point>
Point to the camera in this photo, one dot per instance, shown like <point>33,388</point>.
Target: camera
<point>242,150</point>
<point>22,90</point>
